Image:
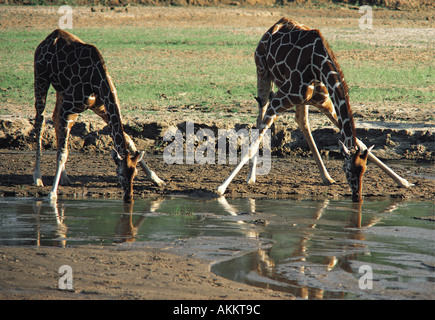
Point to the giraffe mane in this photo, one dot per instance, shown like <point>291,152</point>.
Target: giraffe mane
<point>336,64</point>
<point>334,60</point>
<point>68,37</point>
<point>344,85</point>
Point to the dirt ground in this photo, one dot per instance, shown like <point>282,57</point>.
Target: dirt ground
<point>114,273</point>
<point>93,175</point>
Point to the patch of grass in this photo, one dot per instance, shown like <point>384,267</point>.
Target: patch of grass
<point>383,83</point>
<point>200,67</point>
<point>182,211</point>
<point>150,67</point>
<point>182,67</point>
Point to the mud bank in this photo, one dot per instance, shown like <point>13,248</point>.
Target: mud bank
<point>392,140</point>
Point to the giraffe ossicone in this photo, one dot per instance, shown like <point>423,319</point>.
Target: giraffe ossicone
<point>77,72</point>
<point>299,61</point>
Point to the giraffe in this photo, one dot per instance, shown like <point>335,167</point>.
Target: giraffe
<point>78,74</point>
<point>300,63</point>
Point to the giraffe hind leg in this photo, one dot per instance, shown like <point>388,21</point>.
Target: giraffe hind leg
<point>302,120</point>
<point>264,92</point>
<point>41,89</point>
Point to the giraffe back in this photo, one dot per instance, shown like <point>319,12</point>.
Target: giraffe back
<point>65,61</point>
<point>295,56</point>
<point>77,70</point>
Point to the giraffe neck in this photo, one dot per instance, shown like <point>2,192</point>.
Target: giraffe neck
<point>332,77</point>
<point>108,95</point>
<point>340,100</point>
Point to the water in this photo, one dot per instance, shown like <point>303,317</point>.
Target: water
<point>313,249</point>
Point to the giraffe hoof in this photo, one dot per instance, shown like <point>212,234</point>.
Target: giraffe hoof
<point>157,180</point>
<point>52,196</point>
<point>38,183</point>
<point>220,191</point>
<point>251,181</point>
<point>328,182</point>
<point>405,184</point>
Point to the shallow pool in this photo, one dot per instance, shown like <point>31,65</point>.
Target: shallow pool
<point>314,249</point>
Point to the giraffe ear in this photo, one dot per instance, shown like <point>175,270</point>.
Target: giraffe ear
<point>366,153</point>
<point>138,157</point>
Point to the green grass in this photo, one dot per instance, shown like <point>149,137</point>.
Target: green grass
<point>371,82</point>
<point>169,67</point>
<point>201,67</point>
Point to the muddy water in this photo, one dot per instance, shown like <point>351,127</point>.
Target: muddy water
<point>315,249</point>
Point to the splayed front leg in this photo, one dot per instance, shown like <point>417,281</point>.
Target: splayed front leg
<point>248,155</point>
<point>150,174</point>
<point>401,182</point>
<point>100,110</point>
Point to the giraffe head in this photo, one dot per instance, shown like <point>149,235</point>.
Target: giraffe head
<point>126,171</point>
<point>354,167</point>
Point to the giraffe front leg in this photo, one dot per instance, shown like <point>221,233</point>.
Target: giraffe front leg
<point>37,176</point>
<point>150,173</point>
<point>251,152</point>
<point>100,110</point>
<point>65,123</point>
<point>64,180</point>
<point>403,183</point>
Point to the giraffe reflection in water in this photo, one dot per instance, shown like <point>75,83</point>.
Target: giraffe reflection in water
<point>61,229</point>
<point>302,259</point>
<point>301,265</point>
<point>126,230</point>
